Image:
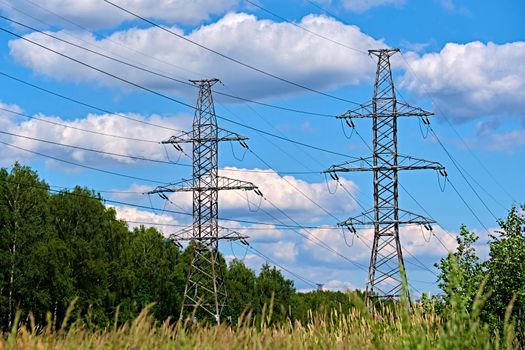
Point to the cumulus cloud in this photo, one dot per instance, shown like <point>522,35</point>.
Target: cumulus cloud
<point>132,130</point>
<point>279,48</point>
<point>361,6</point>
<point>96,14</point>
<point>473,80</point>
<point>135,217</point>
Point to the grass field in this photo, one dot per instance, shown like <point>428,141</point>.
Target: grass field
<point>359,329</point>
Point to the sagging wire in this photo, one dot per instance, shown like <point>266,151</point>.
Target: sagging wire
<point>180,149</point>
<point>151,204</point>
<point>445,175</point>
<point>168,156</point>
<point>428,228</point>
<point>351,125</point>
<point>336,179</point>
<point>245,146</point>
<point>344,237</point>
<point>249,203</point>
<point>441,242</point>
<point>425,121</point>
<point>246,244</point>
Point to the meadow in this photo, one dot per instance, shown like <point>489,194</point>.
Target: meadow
<point>400,327</point>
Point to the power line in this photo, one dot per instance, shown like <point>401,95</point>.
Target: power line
<point>411,71</point>
<point>467,205</point>
<point>160,95</point>
<point>94,150</point>
<point>133,139</point>
<point>83,165</point>
<point>84,103</point>
<point>76,128</point>
<point>228,57</point>
<point>461,173</point>
<point>306,29</point>
<point>163,75</point>
<point>309,236</point>
<point>66,191</point>
<point>267,258</point>
<point>315,4</point>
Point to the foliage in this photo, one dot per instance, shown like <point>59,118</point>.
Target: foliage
<point>502,275</point>
<point>461,272</point>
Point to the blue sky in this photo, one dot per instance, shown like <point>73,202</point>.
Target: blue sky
<point>463,60</point>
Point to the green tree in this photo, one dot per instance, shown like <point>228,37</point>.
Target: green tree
<point>23,226</point>
<point>506,273</point>
<point>273,290</point>
<point>461,272</point>
<point>240,284</point>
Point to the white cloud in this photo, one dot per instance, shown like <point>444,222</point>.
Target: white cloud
<point>134,217</point>
<point>360,6</point>
<point>96,14</point>
<point>279,48</point>
<point>473,80</point>
<point>285,193</point>
<point>107,124</point>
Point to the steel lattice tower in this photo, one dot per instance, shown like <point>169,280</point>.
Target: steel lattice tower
<point>386,273</point>
<point>205,289</point>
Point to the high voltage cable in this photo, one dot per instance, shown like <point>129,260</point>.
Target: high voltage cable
<point>153,92</point>
<point>467,205</point>
<point>95,150</point>
<point>131,156</point>
<point>184,213</point>
<point>228,57</point>
<point>268,259</point>
<point>461,173</point>
<point>310,237</point>
<point>76,128</point>
<point>305,29</point>
<point>269,140</point>
<point>413,73</point>
<point>315,4</point>
<point>83,165</point>
<point>84,103</point>
<point>322,208</point>
<point>163,75</point>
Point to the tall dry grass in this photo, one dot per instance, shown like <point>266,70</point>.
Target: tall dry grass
<point>360,329</point>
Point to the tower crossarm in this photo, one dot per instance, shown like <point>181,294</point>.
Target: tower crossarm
<point>367,164</point>
<point>223,183</point>
<point>186,235</point>
<point>366,110</point>
<point>189,137</point>
<point>405,218</point>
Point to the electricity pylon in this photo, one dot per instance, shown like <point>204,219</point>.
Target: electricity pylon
<point>386,275</point>
<point>205,289</point>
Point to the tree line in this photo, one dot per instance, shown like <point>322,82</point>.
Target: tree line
<point>56,247</point>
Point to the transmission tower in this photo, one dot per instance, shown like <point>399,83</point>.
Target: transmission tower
<point>386,275</point>
<point>205,291</point>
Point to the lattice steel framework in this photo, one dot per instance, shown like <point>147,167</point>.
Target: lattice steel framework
<point>387,270</point>
<point>205,291</point>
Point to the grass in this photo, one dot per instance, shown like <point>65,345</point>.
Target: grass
<point>360,329</point>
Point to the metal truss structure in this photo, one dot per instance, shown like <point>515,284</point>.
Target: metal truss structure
<point>205,292</point>
<point>386,274</point>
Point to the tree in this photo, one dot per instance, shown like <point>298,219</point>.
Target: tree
<point>506,273</point>
<point>240,285</point>
<point>273,290</point>
<point>23,225</point>
<point>461,272</point>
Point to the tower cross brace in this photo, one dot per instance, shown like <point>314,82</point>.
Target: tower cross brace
<point>386,273</point>
<point>205,291</point>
